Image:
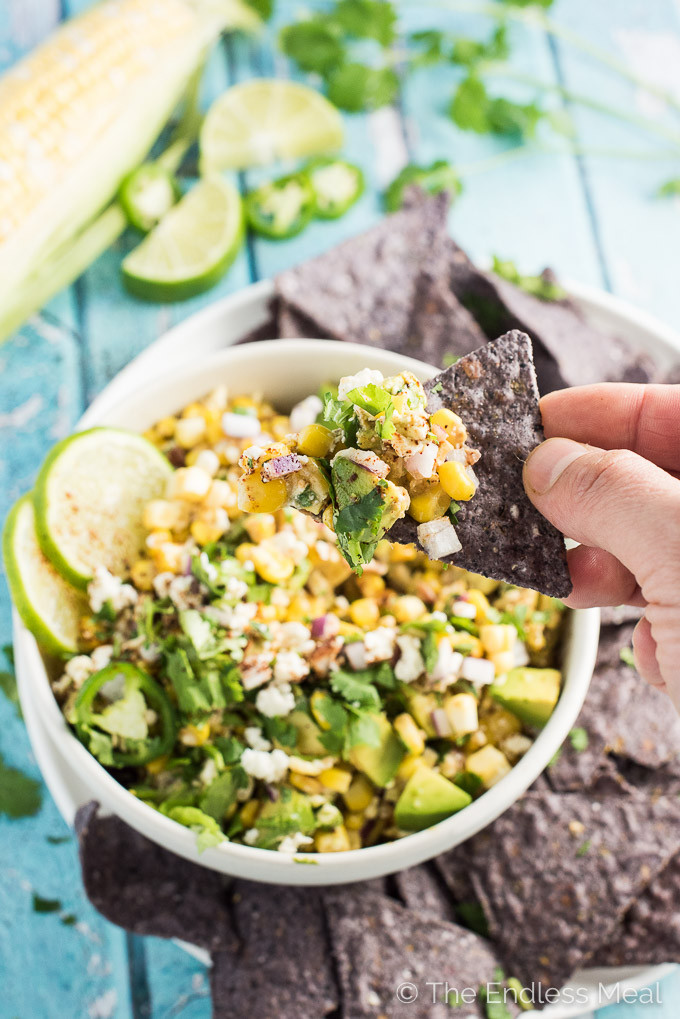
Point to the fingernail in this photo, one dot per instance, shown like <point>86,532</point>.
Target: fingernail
<point>548,462</point>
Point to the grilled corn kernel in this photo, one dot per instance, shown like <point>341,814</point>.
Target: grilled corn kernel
<point>477,740</point>
<point>498,637</point>
<point>306,784</point>
<point>456,481</point>
<point>244,552</point>
<point>461,711</point>
<point>402,553</point>
<point>490,764</point>
<point>429,757</point>
<point>452,425</point>
<point>371,585</point>
<point>336,841</point>
<point>189,431</point>
<point>408,608</point>
<point>168,557</point>
<point>315,440</point>
<point>355,821</point>
<point>142,574</point>
<point>206,531</point>
<point>162,514</point>
<point>190,483</point>
<point>354,839</point>
<point>249,813</point>
<point>359,794</point>
<point>222,494</point>
<point>327,518</point>
<point>157,538</point>
<point>481,603</point>
<point>411,736</point>
<point>272,565</point>
<point>408,766</point>
<point>467,643</point>
<point>430,504</point>
<point>208,462</point>
<point>497,724</point>
<point>365,612</point>
<point>260,527</point>
<point>195,735</point>
<point>258,496</point>
<point>503,661</point>
<point>165,428</point>
<point>158,764</point>
<point>193,410</point>
<point>217,399</point>
<point>337,779</point>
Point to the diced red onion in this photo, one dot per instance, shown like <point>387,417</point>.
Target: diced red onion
<point>440,722</point>
<point>271,791</point>
<point>421,465</point>
<point>438,538</point>
<point>325,626</point>
<point>281,466</point>
<point>356,655</point>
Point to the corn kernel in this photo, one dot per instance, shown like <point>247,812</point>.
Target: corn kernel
<point>306,784</point>
<point>260,527</point>
<point>461,711</point>
<point>402,553</point>
<point>429,758</point>
<point>205,531</point>
<point>337,779</point>
<point>359,794</point>
<point>354,839</point>
<point>189,431</point>
<point>490,764</point>
<point>258,496</point>
<point>408,766</point>
<point>365,612</point>
<point>336,841</point>
<point>157,538</point>
<point>456,481</point>
<point>327,518</point>
<point>221,494</point>
<point>498,637</point>
<point>371,585</point>
<point>217,399</point>
<point>452,425</point>
<point>481,603</point>
<point>166,427</point>
<point>158,764</point>
<point>249,813</point>
<point>193,410</point>
<point>279,427</point>
<point>503,661</point>
<point>430,504</point>
<point>213,432</point>
<point>315,440</point>
<point>190,483</point>
<point>477,740</point>
<point>142,574</point>
<point>272,565</point>
<point>208,462</point>
<point>411,736</point>
<point>355,822</point>
<point>195,735</point>
<point>169,557</point>
<point>408,608</point>
<point>162,514</point>
<point>244,552</point>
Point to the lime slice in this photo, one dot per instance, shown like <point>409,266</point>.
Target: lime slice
<point>89,500</point>
<point>192,246</point>
<point>47,604</point>
<point>264,120</point>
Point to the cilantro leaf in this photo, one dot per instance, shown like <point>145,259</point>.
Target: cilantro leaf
<point>508,118</point>
<point>208,831</point>
<point>355,688</point>
<point>473,109</point>
<point>367,19</point>
<point>470,52</point>
<point>543,286</point>
<point>469,107</point>
<point>363,730</point>
<point>430,652</point>
<point>579,739</point>
<point>372,398</point>
<point>469,782</point>
<point>314,45</point>
<point>432,42</point>
<point>42,905</point>
<point>627,657</point>
<point>357,527</point>
<point>8,685</point>
<point>221,793</point>
<point>438,176</point>
<point>355,87</point>
<point>281,731</point>
<point>585,848</point>
<point>20,795</point>
<point>472,915</point>
<point>669,189</point>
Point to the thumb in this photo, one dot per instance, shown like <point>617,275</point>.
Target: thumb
<point>614,500</point>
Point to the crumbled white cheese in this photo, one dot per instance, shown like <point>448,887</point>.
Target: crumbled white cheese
<point>235,589</point>
<point>256,670</point>
<point>448,665</point>
<point>101,656</point>
<point>464,609</point>
<point>520,655</point>
<point>161,584</point>
<point>288,544</point>
<point>240,426</point>
<point>410,664</point>
<point>479,671</point>
<point>291,843</point>
<point>269,766</point>
<point>305,413</point>
<point>438,538</point>
<point>255,739</point>
<point>362,378</point>
<point>79,669</point>
<point>313,767</point>
<point>234,618</point>
<point>295,637</point>
<point>208,772</point>
<point>275,701</point>
<point>379,644</point>
<point>104,587</point>
<point>289,667</point>
<point>251,836</point>
<point>254,452</point>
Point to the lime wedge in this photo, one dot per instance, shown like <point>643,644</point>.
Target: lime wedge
<point>89,501</point>
<point>192,246</point>
<point>261,121</point>
<point>47,604</point>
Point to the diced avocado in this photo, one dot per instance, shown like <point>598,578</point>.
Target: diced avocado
<point>531,694</point>
<point>421,706</point>
<point>290,813</point>
<point>380,763</point>
<point>308,733</point>
<point>427,799</point>
<point>351,481</point>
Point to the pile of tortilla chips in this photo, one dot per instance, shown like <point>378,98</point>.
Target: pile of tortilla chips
<point>585,869</point>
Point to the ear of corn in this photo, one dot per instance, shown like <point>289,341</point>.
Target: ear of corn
<point>83,109</point>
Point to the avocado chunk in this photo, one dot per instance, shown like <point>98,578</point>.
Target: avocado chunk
<point>421,706</point>
<point>366,507</point>
<point>530,694</point>
<point>292,812</point>
<point>427,799</point>
<point>308,733</point>
<point>379,763</point>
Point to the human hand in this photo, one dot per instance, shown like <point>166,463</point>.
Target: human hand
<point>607,476</point>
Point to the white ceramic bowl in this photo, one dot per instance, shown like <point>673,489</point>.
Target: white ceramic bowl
<point>284,371</point>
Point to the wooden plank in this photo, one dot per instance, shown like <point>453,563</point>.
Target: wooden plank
<point>178,984</point>
<point>639,236</point>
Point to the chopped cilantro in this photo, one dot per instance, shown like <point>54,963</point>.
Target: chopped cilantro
<point>357,527</point>
<point>68,919</point>
<point>543,287</point>
<point>367,19</point>
<point>315,45</point>
<point>221,793</point>
<point>472,915</point>
<point>517,618</point>
<point>627,656</point>
<point>585,848</point>
<point>42,905</point>
<point>579,739</point>
<point>430,651</point>
<point>355,689</point>
<point>57,840</point>
<point>438,388</point>
<point>208,831</point>
<point>354,87</point>
<point>439,176</point>
<point>371,398</point>
<point>669,189</point>
<point>278,730</point>
<point>363,731</point>
<point>468,781</point>
<point>20,795</point>
<point>555,757</point>
<point>8,685</point>
<point>306,497</point>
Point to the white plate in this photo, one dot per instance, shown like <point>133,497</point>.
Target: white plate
<point>219,326</point>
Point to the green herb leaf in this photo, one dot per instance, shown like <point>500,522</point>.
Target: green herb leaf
<point>355,87</point>
<point>208,831</point>
<point>367,19</point>
<point>627,656</point>
<point>42,905</point>
<point>431,42</point>
<point>355,688</point>
<point>357,527</point>
<point>469,108</point>
<point>579,739</point>
<point>8,685</point>
<point>315,45</point>
<point>20,795</point>
<point>669,189</point>
<point>468,781</point>
<point>471,914</point>
<point>363,730</point>
<point>585,848</point>
<point>438,176</point>
<point>371,398</point>
<point>543,286</point>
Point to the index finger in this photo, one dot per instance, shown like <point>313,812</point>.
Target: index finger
<point>619,415</point>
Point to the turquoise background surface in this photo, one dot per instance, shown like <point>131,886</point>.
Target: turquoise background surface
<point>579,207</point>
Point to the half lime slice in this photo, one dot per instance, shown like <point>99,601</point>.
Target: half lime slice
<point>49,606</point>
<point>89,501</point>
<point>192,246</point>
<point>260,121</point>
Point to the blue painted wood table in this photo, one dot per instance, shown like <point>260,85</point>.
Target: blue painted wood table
<point>579,206</point>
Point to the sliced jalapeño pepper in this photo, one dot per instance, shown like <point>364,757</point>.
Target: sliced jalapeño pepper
<point>111,716</point>
<point>146,194</point>
<point>337,185</point>
<point>281,208</point>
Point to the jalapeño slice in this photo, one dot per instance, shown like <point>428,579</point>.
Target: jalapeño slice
<point>281,208</point>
